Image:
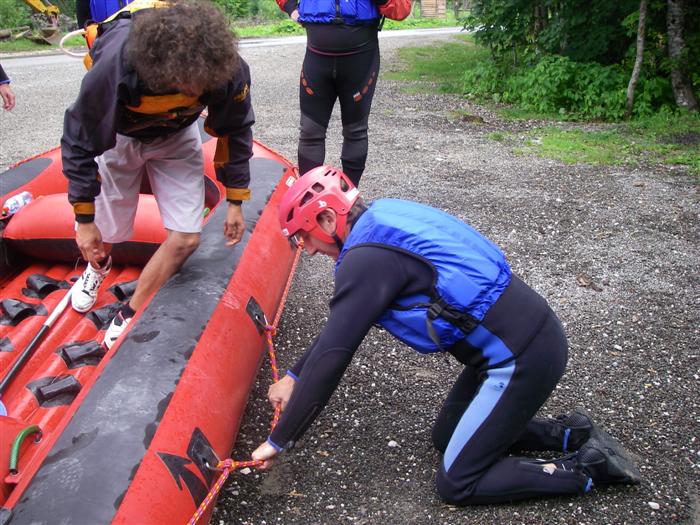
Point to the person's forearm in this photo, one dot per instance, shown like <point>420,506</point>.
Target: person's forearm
<point>234,172</point>
<point>322,373</point>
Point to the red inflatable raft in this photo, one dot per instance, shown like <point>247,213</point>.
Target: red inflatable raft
<point>126,436</point>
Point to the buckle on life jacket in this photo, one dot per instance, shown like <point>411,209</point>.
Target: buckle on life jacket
<point>462,320</point>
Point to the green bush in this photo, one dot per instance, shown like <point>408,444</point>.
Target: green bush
<point>268,10</point>
<point>557,85</point>
<point>14,14</point>
<point>235,8</point>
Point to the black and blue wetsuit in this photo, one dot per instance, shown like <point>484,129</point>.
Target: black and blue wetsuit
<point>512,361</point>
<point>341,63</point>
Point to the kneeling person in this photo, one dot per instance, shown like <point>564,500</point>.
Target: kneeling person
<point>438,285</point>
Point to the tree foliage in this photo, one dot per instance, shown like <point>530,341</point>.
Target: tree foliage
<point>569,50</point>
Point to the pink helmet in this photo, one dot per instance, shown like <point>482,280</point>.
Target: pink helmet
<point>317,190</point>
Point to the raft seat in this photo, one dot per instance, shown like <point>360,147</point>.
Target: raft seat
<point>62,351</point>
<point>81,353</point>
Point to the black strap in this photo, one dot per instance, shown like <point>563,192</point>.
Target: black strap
<point>439,308</point>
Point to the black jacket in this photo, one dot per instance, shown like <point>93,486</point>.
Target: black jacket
<point>108,104</point>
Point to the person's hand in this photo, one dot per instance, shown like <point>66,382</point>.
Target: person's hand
<point>295,15</point>
<point>8,97</point>
<point>280,392</point>
<point>89,241</point>
<point>234,225</point>
<point>265,453</point>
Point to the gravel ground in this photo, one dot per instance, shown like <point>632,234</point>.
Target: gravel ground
<point>612,249</point>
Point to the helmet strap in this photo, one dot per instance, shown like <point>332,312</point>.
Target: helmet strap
<point>338,241</point>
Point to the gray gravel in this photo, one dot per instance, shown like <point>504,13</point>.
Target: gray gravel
<point>614,250</point>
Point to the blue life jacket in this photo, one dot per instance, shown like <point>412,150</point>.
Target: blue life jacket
<point>470,272</point>
<point>351,12</point>
<point>100,10</point>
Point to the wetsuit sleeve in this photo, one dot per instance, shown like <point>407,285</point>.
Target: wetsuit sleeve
<point>231,120</point>
<point>90,123</point>
<point>296,369</point>
<point>4,79</point>
<point>368,280</point>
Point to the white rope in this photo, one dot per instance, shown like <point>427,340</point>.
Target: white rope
<point>78,32</point>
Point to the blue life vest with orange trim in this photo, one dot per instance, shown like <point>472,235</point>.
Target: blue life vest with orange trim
<point>350,12</point>
<point>470,271</point>
<point>155,114</point>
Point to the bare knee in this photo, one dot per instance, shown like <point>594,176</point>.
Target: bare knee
<point>182,245</point>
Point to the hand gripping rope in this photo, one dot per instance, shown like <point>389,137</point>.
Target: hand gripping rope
<point>228,465</point>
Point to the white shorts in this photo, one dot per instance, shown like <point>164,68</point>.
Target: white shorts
<point>175,169</point>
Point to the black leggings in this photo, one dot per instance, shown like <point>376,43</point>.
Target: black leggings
<point>350,79</point>
<point>489,411</point>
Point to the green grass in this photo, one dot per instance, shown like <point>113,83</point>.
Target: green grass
<point>416,22</point>
<point>441,65</point>
<point>24,44</point>
<point>667,138</point>
<point>250,29</point>
<point>246,29</point>
<point>282,28</point>
<point>664,139</point>
<point>573,146</point>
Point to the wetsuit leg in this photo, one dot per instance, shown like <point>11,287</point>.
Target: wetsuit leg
<point>540,434</point>
<point>82,12</point>
<point>474,468</point>
<point>355,84</point>
<point>317,96</point>
<point>454,406</point>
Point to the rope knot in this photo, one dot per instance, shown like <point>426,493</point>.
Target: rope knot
<point>226,464</point>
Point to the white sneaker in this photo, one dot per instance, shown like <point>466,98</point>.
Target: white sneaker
<point>88,285</point>
<point>116,329</point>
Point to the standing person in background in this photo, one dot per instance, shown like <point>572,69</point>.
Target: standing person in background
<point>8,97</point>
<point>82,12</point>
<point>341,62</point>
<point>153,72</point>
<point>96,10</point>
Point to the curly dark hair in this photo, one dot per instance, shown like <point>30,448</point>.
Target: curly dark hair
<point>188,44</point>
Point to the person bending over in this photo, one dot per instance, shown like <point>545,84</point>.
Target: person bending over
<point>439,286</point>
<point>153,73</point>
